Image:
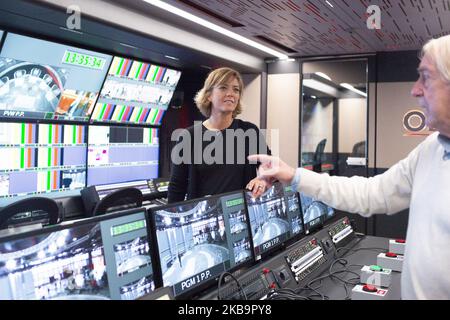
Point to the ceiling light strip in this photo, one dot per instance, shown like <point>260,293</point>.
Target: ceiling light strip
<point>212,26</point>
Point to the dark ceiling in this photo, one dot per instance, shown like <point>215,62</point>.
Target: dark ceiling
<point>313,27</point>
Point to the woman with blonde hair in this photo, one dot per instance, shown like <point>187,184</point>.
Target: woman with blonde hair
<point>220,102</point>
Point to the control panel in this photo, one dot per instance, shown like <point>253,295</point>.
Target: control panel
<point>341,232</point>
<point>305,259</point>
<point>254,286</point>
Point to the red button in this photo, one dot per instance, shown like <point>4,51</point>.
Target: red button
<point>273,286</point>
<point>391,255</point>
<point>369,288</point>
<point>400,241</point>
<point>265,271</point>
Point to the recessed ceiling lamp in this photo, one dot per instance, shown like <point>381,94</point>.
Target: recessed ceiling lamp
<point>212,26</point>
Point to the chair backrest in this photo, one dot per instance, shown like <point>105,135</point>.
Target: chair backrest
<point>119,199</point>
<point>359,149</point>
<point>31,204</point>
<point>319,151</point>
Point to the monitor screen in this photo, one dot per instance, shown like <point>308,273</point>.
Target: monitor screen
<point>199,239</point>
<point>135,92</point>
<point>314,212</point>
<point>41,159</point>
<point>107,257</point>
<point>46,80</point>
<point>275,217</point>
<point>121,154</point>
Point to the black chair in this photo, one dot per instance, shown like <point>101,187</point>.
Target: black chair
<point>359,149</point>
<point>119,199</point>
<point>317,160</point>
<point>31,204</point>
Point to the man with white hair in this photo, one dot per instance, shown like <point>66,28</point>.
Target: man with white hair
<point>421,182</point>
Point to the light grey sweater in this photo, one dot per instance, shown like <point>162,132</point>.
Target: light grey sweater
<point>421,182</point>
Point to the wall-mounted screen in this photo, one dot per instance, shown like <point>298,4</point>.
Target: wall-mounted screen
<point>275,217</point>
<point>314,212</point>
<point>41,159</point>
<point>135,92</point>
<point>46,80</point>
<point>107,257</point>
<point>121,154</point>
<point>199,239</point>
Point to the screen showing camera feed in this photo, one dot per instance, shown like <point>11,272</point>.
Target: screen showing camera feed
<point>135,92</point>
<point>45,80</point>
<point>108,259</point>
<point>199,240</point>
<point>315,213</point>
<point>41,159</point>
<point>275,217</point>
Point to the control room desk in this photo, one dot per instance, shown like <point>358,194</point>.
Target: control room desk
<point>334,289</point>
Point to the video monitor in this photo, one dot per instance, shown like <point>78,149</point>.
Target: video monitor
<point>122,154</point>
<point>46,80</point>
<point>135,92</point>
<point>105,257</point>
<point>41,159</point>
<point>197,240</point>
<point>315,213</point>
<point>275,218</point>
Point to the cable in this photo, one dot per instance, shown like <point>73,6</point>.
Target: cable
<point>222,275</point>
<point>285,294</point>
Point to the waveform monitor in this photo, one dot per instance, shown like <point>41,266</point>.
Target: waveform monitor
<point>275,218</point>
<point>47,80</point>
<point>199,239</point>
<point>315,213</point>
<point>41,159</point>
<point>135,92</point>
<point>122,154</point>
<point>106,257</point>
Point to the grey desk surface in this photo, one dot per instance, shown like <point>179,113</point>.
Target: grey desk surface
<point>334,288</point>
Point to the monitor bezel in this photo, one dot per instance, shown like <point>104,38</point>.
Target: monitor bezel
<point>206,285</point>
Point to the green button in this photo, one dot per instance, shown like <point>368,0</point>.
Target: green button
<point>375,268</point>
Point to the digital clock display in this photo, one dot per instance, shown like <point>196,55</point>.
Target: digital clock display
<point>83,60</point>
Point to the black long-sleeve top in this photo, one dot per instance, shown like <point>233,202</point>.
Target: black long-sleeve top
<point>201,178</point>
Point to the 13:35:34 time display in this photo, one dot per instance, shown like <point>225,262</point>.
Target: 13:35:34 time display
<point>83,60</point>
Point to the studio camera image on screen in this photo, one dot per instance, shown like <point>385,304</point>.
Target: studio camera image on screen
<point>101,259</point>
<point>48,80</point>
<point>200,239</point>
<point>274,218</point>
<point>315,213</point>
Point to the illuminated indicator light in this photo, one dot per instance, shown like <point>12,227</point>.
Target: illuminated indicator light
<point>376,268</point>
<point>370,288</point>
<point>400,241</point>
<point>391,255</point>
